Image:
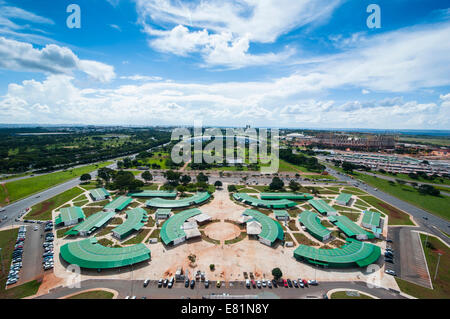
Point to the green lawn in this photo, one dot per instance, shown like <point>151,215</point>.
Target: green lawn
<point>43,210</point>
<point>437,205</point>
<point>95,294</point>
<point>396,216</point>
<point>13,191</point>
<point>343,295</point>
<point>442,181</point>
<point>139,238</point>
<point>442,283</point>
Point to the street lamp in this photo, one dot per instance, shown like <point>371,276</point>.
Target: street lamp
<point>437,265</point>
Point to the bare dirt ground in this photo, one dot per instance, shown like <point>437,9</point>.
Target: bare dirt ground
<point>222,231</point>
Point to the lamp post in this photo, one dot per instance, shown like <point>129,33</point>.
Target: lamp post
<point>437,265</point>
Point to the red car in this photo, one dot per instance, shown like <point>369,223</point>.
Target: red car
<point>253,284</point>
<point>285,283</point>
<point>305,282</point>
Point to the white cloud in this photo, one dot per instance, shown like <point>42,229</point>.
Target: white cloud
<point>138,77</point>
<point>58,100</point>
<point>223,32</point>
<point>52,59</point>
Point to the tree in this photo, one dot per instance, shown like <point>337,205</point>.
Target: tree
<point>212,267</point>
<point>202,178</point>
<point>428,190</point>
<point>185,179</point>
<point>276,184</point>
<point>348,167</point>
<point>276,273</point>
<point>218,184</point>
<point>85,177</point>
<point>232,188</point>
<point>172,177</point>
<point>294,186</point>
<point>125,180</point>
<point>147,176</point>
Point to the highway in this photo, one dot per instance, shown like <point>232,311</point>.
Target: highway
<point>13,210</point>
<point>427,221</point>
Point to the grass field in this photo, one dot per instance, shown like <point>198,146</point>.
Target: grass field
<point>43,210</point>
<point>437,205</point>
<point>95,294</point>
<point>13,191</point>
<point>343,295</point>
<point>442,283</point>
<point>138,238</point>
<point>442,181</point>
<point>396,216</point>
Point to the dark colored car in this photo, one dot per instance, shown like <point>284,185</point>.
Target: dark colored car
<point>274,282</point>
<point>192,284</point>
<point>186,283</point>
<point>289,282</point>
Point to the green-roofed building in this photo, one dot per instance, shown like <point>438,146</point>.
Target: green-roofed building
<point>353,253</point>
<point>99,194</point>
<point>88,253</point>
<point>136,219</point>
<point>197,199</point>
<point>271,230</point>
<point>291,196</point>
<point>344,199</point>
<point>120,203</point>
<point>163,213</point>
<point>256,202</point>
<point>154,193</point>
<point>350,228</point>
<point>371,219</point>
<point>313,225</point>
<point>69,216</point>
<point>91,224</point>
<point>172,232</point>
<point>281,215</point>
<point>322,207</point>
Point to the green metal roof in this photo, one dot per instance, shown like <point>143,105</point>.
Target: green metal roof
<point>69,214</point>
<point>353,253</point>
<point>247,199</point>
<point>371,218</point>
<point>179,203</point>
<point>163,211</point>
<point>350,228</point>
<point>99,193</point>
<point>281,213</point>
<point>88,253</point>
<point>92,223</point>
<point>171,229</point>
<point>344,197</point>
<point>291,196</point>
<point>136,219</point>
<point>312,223</point>
<point>119,203</point>
<point>155,193</point>
<point>270,229</point>
<point>321,206</point>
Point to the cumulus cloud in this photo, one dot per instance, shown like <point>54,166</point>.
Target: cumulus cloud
<point>223,32</point>
<point>58,100</point>
<point>138,77</point>
<point>52,59</point>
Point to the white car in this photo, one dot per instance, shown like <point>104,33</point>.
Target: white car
<point>390,272</point>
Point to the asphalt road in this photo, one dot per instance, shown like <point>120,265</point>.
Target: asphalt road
<point>13,210</point>
<point>135,288</point>
<point>426,220</point>
<point>409,260</point>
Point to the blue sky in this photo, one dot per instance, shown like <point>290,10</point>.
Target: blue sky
<point>283,63</point>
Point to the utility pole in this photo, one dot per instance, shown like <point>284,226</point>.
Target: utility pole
<point>1,259</point>
<point>437,265</point>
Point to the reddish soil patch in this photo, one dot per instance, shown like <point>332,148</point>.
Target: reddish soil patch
<point>222,231</point>
<point>44,207</point>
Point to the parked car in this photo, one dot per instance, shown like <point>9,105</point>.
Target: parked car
<point>247,283</point>
<point>289,282</point>
<point>390,272</point>
<point>160,283</point>
<point>258,284</point>
<point>275,284</point>
<point>313,282</point>
<point>146,282</point>
<point>186,282</point>
<point>295,283</point>
<point>218,284</point>
<point>192,284</point>
<point>285,283</point>
<point>206,283</point>
<point>305,282</point>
